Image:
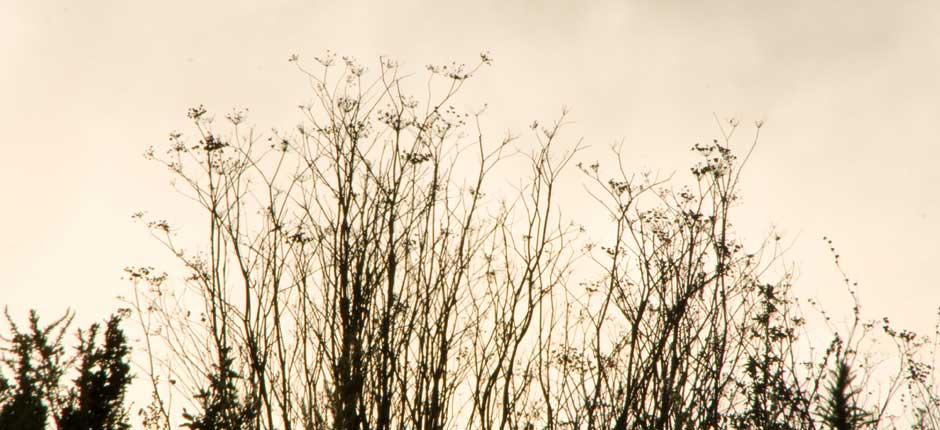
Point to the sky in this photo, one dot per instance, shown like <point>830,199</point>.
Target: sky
<point>849,92</point>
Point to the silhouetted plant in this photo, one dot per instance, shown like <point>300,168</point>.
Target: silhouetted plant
<point>24,407</point>
<point>97,399</point>
<point>775,398</point>
<point>840,411</point>
<point>918,354</point>
<point>357,277</point>
<point>38,358</point>
<point>222,407</point>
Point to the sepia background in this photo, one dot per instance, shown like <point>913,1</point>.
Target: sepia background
<point>849,93</point>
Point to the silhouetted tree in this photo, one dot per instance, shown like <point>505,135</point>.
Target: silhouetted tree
<point>24,408</point>
<point>97,399</point>
<point>38,358</point>
<point>222,408</point>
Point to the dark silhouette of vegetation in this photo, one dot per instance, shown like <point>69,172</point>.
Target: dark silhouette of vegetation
<point>38,358</point>
<point>96,400</point>
<point>775,399</point>
<point>221,407</point>
<point>23,409</point>
<point>841,412</point>
<point>362,272</point>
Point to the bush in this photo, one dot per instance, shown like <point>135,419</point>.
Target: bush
<point>38,358</point>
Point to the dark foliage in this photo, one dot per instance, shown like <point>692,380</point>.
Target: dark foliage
<point>37,357</point>
<point>841,412</point>
<point>23,407</point>
<point>222,407</point>
<point>97,400</point>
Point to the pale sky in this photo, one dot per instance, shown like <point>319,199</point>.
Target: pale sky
<point>849,92</point>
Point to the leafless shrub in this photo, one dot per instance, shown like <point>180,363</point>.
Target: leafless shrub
<point>356,275</point>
